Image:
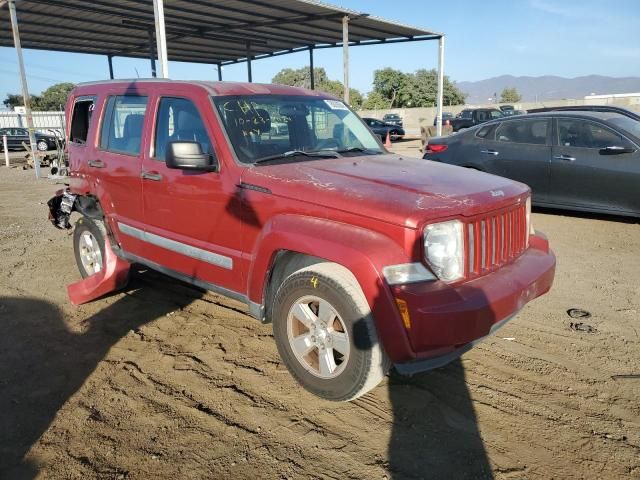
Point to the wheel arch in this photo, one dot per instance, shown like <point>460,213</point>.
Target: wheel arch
<point>292,242</point>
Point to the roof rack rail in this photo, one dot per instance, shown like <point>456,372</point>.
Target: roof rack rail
<point>588,108</point>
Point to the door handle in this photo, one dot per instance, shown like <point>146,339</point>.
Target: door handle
<point>155,176</point>
<point>490,152</point>
<point>566,158</point>
<point>96,163</point>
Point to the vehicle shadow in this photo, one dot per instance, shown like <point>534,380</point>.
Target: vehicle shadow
<point>586,215</point>
<point>435,432</point>
<point>43,363</point>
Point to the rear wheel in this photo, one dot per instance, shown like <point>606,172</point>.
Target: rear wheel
<point>88,246</point>
<point>325,333</point>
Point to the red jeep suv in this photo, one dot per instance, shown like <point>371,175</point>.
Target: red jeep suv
<point>282,198</point>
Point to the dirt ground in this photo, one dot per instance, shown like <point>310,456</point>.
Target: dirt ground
<point>166,381</point>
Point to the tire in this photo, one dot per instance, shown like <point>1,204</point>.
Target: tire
<point>88,246</point>
<point>393,135</point>
<point>42,145</point>
<point>360,361</point>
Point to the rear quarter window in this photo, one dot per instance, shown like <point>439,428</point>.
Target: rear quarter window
<point>81,119</point>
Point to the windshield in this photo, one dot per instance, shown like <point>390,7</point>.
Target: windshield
<point>264,126</point>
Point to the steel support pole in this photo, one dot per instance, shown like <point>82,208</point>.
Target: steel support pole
<point>110,60</point>
<point>345,56</point>
<point>249,76</point>
<point>5,147</point>
<point>161,37</point>
<point>219,71</point>
<point>25,88</point>
<point>440,85</point>
<point>152,55</point>
<point>311,70</point>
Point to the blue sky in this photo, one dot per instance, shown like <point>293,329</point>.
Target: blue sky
<point>568,38</point>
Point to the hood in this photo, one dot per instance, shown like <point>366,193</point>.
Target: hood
<point>391,188</point>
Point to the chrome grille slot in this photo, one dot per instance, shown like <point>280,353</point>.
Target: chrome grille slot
<point>494,240</point>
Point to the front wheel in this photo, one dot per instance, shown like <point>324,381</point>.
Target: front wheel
<point>42,146</point>
<point>326,335</point>
<point>88,246</point>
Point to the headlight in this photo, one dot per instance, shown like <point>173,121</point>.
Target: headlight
<point>444,249</point>
<point>529,230</point>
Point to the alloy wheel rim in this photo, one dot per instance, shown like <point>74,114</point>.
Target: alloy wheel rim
<point>318,337</point>
<point>90,254</point>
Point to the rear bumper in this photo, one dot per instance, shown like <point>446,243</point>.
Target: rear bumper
<point>448,320</point>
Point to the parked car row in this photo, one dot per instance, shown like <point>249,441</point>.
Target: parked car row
<point>17,136</point>
<point>579,158</point>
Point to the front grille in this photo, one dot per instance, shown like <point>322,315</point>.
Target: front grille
<point>495,239</point>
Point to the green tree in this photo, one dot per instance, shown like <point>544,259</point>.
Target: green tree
<point>375,101</point>
<point>419,89</point>
<point>510,95</point>
<point>301,77</point>
<point>13,100</point>
<point>390,83</point>
<point>54,97</point>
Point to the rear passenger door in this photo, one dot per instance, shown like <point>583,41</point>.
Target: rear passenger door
<point>521,150</point>
<point>116,164</point>
<point>582,175</point>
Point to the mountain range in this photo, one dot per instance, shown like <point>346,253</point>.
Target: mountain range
<point>548,87</point>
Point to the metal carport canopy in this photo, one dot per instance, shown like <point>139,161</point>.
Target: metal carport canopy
<point>199,31</point>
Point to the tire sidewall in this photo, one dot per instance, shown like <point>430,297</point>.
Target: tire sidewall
<point>42,142</point>
<point>358,324</point>
<point>85,224</point>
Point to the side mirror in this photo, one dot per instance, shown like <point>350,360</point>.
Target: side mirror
<point>615,150</point>
<point>184,155</point>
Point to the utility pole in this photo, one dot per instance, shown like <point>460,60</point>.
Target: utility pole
<point>25,88</point>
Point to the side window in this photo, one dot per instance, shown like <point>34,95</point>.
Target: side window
<point>80,119</point>
<point>122,124</point>
<point>482,115</point>
<point>586,134</point>
<point>496,114</point>
<point>602,137</point>
<point>532,132</point>
<point>21,132</point>
<point>485,131</point>
<point>179,120</point>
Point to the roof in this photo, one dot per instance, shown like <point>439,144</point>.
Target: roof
<point>199,31</point>
<point>213,88</point>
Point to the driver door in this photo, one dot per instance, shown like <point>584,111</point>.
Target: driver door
<point>585,175</point>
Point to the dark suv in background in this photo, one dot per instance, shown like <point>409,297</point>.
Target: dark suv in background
<point>585,158</point>
<point>393,119</point>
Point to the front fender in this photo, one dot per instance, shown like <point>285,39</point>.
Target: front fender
<point>361,251</point>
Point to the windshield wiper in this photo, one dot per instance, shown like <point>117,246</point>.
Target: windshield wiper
<point>296,153</point>
<point>358,149</point>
